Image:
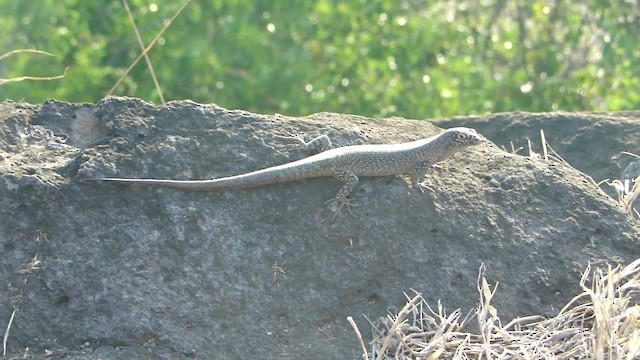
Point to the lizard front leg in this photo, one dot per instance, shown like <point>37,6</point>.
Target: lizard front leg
<point>418,174</point>
<point>350,181</point>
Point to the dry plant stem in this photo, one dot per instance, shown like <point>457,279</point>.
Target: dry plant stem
<point>146,56</point>
<point>444,332</point>
<point>547,149</point>
<point>365,354</point>
<point>531,153</point>
<point>632,196</point>
<point>544,145</point>
<point>487,314</point>
<point>146,50</point>
<point>22,78</point>
<point>399,319</point>
<point>18,51</point>
<point>37,78</point>
<point>513,149</point>
<point>630,154</point>
<point>519,321</point>
<point>603,322</point>
<point>6,333</point>
<point>626,197</point>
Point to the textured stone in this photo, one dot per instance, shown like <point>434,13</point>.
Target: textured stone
<point>124,271</point>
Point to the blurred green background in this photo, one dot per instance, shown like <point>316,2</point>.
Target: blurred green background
<point>411,58</point>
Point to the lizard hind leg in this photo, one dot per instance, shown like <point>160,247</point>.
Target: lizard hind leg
<point>314,146</point>
<point>318,144</point>
<point>350,181</point>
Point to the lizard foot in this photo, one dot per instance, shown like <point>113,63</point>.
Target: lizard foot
<point>343,201</point>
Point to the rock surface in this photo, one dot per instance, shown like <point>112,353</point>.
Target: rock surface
<point>121,271</point>
<point>590,142</point>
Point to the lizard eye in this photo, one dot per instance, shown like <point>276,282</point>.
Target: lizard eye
<point>461,137</point>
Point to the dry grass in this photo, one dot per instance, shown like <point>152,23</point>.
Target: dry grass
<point>627,190</point>
<point>628,193</point>
<point>603,322</point>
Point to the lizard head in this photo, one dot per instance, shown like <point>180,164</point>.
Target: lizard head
<point>462,137</point>
<point>455,139</point>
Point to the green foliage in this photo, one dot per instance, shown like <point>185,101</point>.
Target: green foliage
<point>379,58</point>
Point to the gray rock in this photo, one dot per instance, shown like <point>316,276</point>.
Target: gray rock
<point>128,271</point>
<point>590,142</point>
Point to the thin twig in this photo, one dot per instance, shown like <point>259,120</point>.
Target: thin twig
<point>22,78</point>
<point>365,354</point>
<point>146,50</point>
<point>146,56</point>
<point>18,51</point>
<point>6,333</point>
<point>544,145</point>
<point>399,319</point>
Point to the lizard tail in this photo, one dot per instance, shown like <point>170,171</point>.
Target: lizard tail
<point>204,185</point>
<point>273,175</point>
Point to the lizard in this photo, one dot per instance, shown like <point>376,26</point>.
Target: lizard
<point>346,164</point>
